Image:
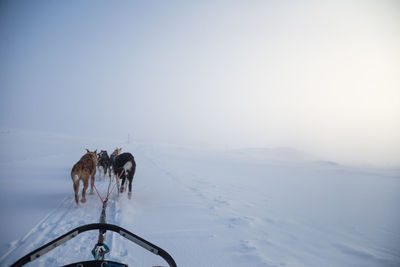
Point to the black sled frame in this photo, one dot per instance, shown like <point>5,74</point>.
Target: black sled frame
<point>102,227</point>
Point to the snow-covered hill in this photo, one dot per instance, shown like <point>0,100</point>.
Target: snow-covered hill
<point>253,207</point>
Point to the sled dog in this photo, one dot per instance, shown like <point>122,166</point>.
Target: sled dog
<point>84,170</point>
<point>104,162</point>
<point>116,152</point>
<point>124,165</point>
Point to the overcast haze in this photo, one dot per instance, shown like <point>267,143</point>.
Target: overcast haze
<point>320,77</point>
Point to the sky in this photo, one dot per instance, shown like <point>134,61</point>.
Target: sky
<point>319,77</point>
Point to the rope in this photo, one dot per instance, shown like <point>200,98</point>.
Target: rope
<point>114,186</point>
<point>100,249</point>
<point>101,199</point>
<point>109,193</point>
<point>108,188</point>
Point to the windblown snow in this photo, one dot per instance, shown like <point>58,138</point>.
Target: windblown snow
<point>248,207</point>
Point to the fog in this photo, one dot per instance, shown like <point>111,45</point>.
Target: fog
<point>319,77</point>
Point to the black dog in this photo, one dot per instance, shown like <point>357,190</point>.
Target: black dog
<point>124,162</point>
<point>104,162</point>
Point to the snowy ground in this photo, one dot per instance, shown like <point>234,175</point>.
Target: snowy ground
<point>254,207</point>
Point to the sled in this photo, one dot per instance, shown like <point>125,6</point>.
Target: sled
<point>102,227</point>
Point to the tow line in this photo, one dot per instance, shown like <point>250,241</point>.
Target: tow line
<point>100,249</point>
<point>109,192</point>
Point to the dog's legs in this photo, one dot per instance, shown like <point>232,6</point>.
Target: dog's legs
<point>118,186</point>
<point>91,184</point>
<point>130,188</point>
<point>104,170</point>
<point>76,190</point>
<point>123,183</point>
<point>131,174</point>
<point>130,185</point>
<point>85,186</point>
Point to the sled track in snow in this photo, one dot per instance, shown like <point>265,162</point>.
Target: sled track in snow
<point>43,232</point>
<point>59,221</point>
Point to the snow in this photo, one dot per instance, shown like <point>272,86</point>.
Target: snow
<point>205,207</point>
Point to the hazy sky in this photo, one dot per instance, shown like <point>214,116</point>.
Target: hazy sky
<point>319,76</point>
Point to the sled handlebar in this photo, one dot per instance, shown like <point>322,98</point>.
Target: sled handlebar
<point>95,226</point>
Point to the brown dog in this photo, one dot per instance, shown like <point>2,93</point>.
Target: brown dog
<point>84,169</point>
<point>116,152</point>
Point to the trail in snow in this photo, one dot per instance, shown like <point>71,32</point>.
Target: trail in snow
<point>120,211</point>
<point>63,219</point>
<point>217,209</point>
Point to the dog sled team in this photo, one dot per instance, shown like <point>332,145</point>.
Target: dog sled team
<point>119,166</point>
